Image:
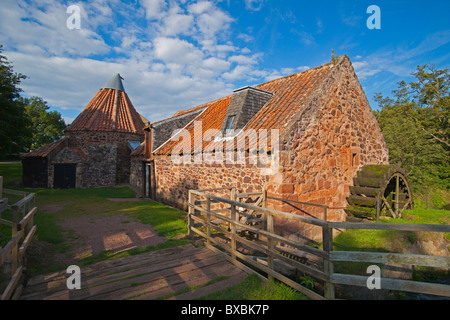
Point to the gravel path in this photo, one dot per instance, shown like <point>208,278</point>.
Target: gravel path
<point>91,235</point>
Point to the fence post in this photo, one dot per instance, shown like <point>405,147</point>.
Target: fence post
<point>190,213</point>
<point>378,206</point>
<point>208,219</point>
<point>233,193</point>
<point>233,231</point>
<point>327,238</point>
<point>270,243</point>
<point>264,205</point>
<point>15,250</point>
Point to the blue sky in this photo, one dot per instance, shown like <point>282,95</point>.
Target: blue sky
<point>178,54</point>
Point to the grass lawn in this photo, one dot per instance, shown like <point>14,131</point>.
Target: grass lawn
<point>253,288</point>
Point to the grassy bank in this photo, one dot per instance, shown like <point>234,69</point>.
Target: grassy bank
<point>253,288</point>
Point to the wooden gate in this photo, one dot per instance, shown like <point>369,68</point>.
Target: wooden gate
<point>218,219</point>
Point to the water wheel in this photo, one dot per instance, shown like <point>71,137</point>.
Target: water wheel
<point>379,190</point>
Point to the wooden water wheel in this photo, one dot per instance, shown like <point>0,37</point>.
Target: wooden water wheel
<point>379,190</point>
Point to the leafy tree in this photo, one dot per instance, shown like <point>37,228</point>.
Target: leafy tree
<point>432,93</point>
<point>13,121</point>
<point>415,125</point>
<point>46,126</point>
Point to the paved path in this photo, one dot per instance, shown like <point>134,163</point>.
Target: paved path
<point>152,275</point>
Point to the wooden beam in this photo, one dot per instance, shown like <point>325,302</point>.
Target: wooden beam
<point>391,226</point>
<point>295,244</point>
<point>388,206</point>
<point>6,251</point>
<point>23,201</point>
<point>313,221</point>
<point>27,242</point>
<point>12,284</point>
<point>397,258</point>
<point>22,224</point>
<point>394,284</point>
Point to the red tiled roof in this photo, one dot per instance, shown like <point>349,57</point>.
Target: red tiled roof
<point>109,110</point>
<point>289,94</point>
<point>211,118</point>
<point>45,150</point>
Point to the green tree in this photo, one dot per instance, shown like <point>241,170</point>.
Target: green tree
<point>415,125</point>
<point>13,121</point>
<point>432,93</point>
<point>46,126</point>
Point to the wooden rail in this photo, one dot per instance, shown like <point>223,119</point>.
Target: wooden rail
<point>222,229</point>
<point>22,232</point>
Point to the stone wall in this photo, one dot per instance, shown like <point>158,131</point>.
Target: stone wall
<point>137,172</point>
<point>84,140</point>
<point>174,181</point>
<point>327,143</point>
<point>102,166</point>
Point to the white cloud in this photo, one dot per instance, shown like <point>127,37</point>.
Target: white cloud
<point>240,72</point>
<point>242,59</point>
<point>200,7</point>
<point>176,50</point>
<point>245,37</point>
<point>172,55</point>
<point>211,22</point>
<point>177,24</point>
<point>153,8</point>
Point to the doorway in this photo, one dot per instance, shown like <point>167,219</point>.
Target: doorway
<point>149,180</point>
<point>64,176</point>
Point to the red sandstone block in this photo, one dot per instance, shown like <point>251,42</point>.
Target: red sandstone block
<point>286,188</point>
<point>332,163</point>
<point>293,197</point>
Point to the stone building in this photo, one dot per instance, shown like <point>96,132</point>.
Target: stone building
<point>96,149</point>
<point>326,132</point>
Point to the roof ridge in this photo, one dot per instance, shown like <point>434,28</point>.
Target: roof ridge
<point>296,74</point>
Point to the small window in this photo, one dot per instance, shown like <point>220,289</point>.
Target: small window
<point>355,160</point>
<point>230,124</point>
<point>133,144</point>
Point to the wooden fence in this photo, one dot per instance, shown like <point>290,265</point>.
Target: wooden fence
<point>220,221</point>
<point>23,230</point>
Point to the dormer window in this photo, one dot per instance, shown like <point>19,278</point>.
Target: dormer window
<point>230,125</point>
<point>244,105</point>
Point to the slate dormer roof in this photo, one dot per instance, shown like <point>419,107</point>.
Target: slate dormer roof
<point>110,110</point>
